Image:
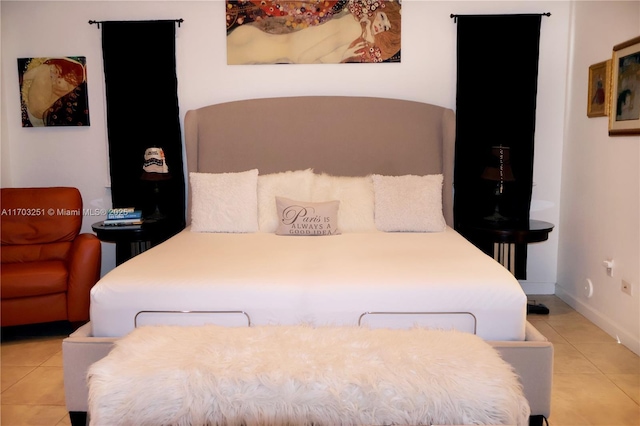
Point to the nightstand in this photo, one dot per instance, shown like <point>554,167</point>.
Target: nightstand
<point>131,242</point>
<point>507,243</point>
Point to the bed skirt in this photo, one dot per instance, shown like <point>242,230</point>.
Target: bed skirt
<point>299,375</point>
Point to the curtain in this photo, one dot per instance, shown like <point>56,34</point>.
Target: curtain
<point>142,112</point>
<point>497,76</point>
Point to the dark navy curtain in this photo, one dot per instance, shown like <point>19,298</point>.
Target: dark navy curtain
<point>497,79</point>
<point>142,112</point>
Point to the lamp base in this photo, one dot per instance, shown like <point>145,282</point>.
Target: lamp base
<point>156,215</point>
<point>496,217</point>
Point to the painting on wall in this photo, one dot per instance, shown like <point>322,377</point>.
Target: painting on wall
<point>53,91</point>
<point>599,90</point>
<point>313,31</point>
<point>624,118</point>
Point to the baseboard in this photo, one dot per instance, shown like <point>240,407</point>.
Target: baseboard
<point>602,321</point>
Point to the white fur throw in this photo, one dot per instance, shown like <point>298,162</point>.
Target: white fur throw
<point>299,375</point>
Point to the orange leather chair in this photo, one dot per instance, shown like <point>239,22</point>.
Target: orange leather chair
<point>48,267</point>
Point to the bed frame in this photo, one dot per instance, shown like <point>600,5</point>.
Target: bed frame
<point>344,136</point>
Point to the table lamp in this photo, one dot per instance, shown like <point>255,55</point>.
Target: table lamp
<point>155,170</point>
<point>498,171</point>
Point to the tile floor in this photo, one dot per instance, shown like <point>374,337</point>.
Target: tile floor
<point>596,380</point>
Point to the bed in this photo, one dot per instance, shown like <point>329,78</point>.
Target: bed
<point>229,267</point>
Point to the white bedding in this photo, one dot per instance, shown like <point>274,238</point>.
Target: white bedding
<point>328,280</point>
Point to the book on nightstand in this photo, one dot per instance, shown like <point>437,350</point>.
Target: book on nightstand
<point>124,218</point>
<point>124,213</point>
<point>124,226</point>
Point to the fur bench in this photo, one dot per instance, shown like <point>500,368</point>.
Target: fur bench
<point>299,375</point>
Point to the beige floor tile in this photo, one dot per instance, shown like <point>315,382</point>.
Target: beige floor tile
<point>29,353</point>
<point>581,331</point>
<point>43,386</point>
<point>568,360</point>
<point>610,358</point>
<point>66,421</point>
<point>54,361</point>
<point>11,375</point>
<point>557,307</point>
<point>590,399</point>
<point>629,383</point>
<point>537,319</point>
<point>25,415</point>
<point>548,332</point>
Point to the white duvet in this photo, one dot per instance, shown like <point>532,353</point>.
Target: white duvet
<point>328,280</point>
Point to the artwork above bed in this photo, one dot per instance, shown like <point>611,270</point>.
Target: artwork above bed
<point>313,31</point>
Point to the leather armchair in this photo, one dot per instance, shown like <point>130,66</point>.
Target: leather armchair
<point>48,267</point>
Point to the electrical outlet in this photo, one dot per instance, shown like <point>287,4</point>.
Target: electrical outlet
<point>626,287</point>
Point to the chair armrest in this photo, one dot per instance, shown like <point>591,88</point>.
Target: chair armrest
<point>84,271</point>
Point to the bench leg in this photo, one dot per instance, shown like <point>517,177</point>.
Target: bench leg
<point>78,418</point>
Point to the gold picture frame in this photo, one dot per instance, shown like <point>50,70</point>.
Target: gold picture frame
<point>599,92</point>
<point>624,115</point>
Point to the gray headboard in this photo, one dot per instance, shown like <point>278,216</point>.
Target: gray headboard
<point>339,135</point>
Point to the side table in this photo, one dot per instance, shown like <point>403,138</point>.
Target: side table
<point>507,243</point>
<point>132,241</point>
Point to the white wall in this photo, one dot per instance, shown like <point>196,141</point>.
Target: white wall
<point>78,156</point>
<point>600,212</point>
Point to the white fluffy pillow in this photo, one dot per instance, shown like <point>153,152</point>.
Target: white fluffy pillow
<point>408,203</point>
<point>295,185</point>
<point>224,202</point>
<point>356,200</point>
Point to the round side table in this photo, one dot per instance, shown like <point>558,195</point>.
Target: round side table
<point>131,241</point>
<point>507,242</point>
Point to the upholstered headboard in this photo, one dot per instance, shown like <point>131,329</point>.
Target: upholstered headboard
<point>339,135</point>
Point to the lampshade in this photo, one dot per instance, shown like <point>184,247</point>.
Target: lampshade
<point>155,165</point>
<point>499,169</point>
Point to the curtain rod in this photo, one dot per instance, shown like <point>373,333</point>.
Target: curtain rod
<point>455,17</point>
<point>179,21</point>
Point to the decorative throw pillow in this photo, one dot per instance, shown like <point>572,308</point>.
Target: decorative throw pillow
<point>356,200</point>
<point>295,185</point>
<point>224,202</point>
<point>307,218</point>
<point>408,203</point>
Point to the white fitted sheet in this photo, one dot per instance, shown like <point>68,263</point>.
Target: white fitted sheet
<point>327,280</point>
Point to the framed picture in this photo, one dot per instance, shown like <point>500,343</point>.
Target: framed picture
<point>313,32</point>
<point>624,117</point>
<point>599,89</point>
<point>53,91</point>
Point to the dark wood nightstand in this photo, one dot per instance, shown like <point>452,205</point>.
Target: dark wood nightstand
<point>133,241</point>
<point>507,243</point>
